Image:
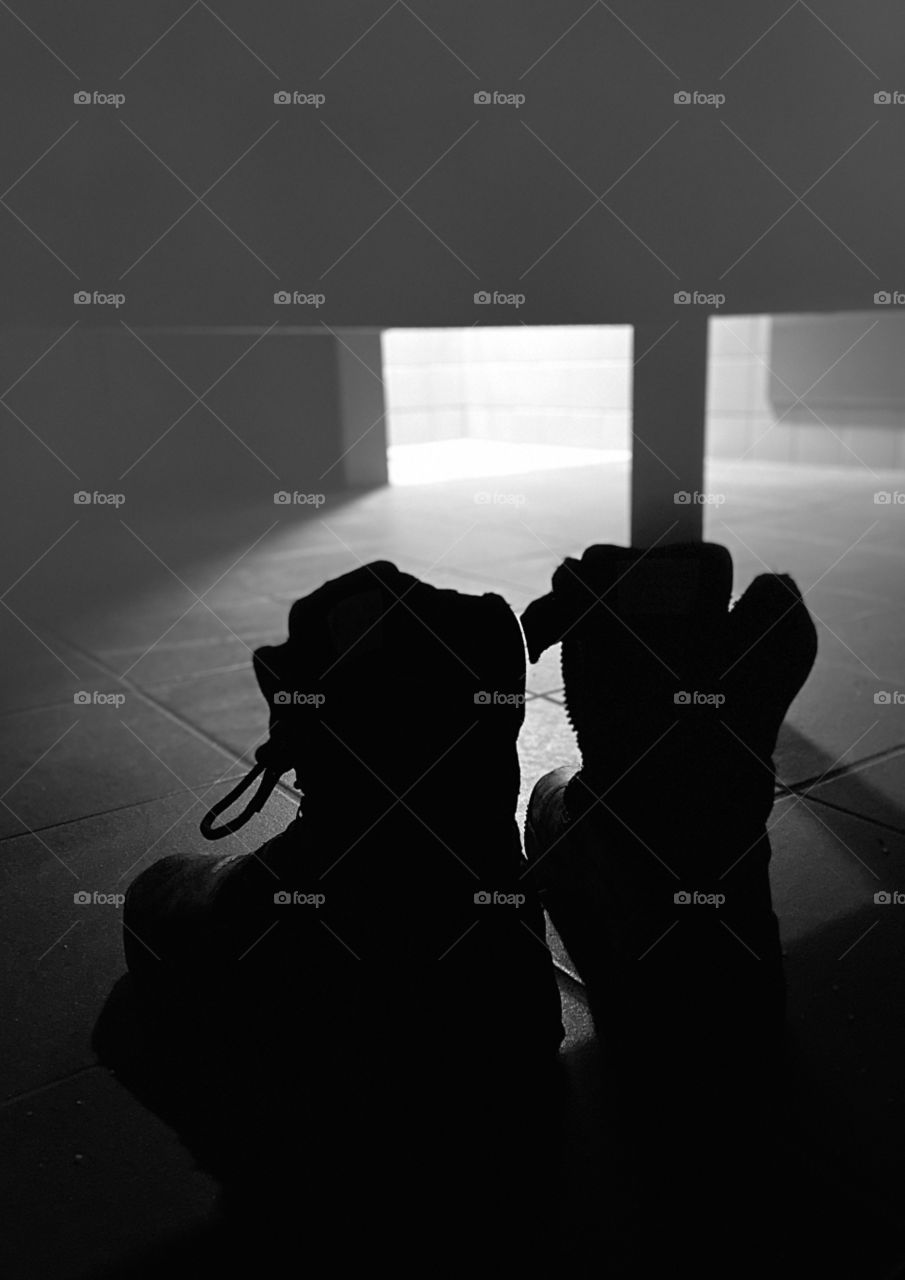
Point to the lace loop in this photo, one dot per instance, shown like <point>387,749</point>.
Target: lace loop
<point>271,777</point>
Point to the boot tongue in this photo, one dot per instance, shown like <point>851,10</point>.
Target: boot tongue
<point>687,580</point>
<point>662,589</point>
<point>642,631</point>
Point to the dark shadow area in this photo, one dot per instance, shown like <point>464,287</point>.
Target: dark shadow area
<point>828,1182</point>
<point>635,1207</point>
<point>370,1154</point>
<point>846,990</point>
<point>587,1186</point>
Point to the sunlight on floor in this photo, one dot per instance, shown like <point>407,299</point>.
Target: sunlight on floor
<point>465,459</point>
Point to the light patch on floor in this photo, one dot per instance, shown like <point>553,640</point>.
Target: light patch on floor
<point>466,459</point>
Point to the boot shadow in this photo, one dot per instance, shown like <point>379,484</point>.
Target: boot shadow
<point>357,1163</point>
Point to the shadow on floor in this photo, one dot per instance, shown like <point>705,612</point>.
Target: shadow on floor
<point>589,1183</point>
<point>345,1152</point>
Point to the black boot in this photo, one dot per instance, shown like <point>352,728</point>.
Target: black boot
<point>653,858</point>
<point>371,988</point>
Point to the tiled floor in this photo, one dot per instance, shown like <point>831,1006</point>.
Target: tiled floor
<point>165,618</point>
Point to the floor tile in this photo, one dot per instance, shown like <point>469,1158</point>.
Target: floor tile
<point>227,705</point>
<point>876,791</point>
<point>72,760</point>
<point>834,721</point>
<point>41,669</point>
<point>546,674</point>
<point>88,1177</point>
<point>827,866</point>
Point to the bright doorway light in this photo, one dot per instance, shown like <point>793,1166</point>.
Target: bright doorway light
<point>494,401</point>
<point>467,459</point>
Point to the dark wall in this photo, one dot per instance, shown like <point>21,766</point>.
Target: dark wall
<point>112,411</point>
<point>499,197</point>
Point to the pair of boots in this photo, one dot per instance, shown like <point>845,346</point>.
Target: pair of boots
<point>414,924</point>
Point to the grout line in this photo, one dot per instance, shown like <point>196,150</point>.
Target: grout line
<point>235,757</point>
<point>156,684</point>
<point>203,673</point>
<point>853,813</point>
<point>199,787</point>
<point>37,706</point>
<point>26,1094</point>
<point>547,695</point>
<point>841,771</point>
<point>183,646</point>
